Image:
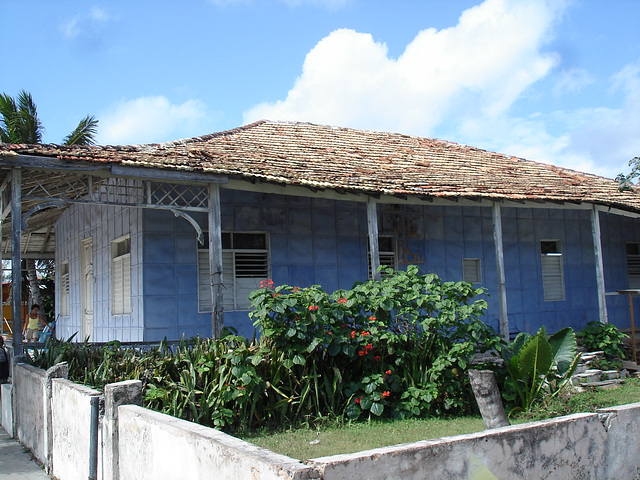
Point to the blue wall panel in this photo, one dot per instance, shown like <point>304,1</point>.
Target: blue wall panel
<point>322,241</point>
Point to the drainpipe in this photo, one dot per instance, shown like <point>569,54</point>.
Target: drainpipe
<point>93,438</point>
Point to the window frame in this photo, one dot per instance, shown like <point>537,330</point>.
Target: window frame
<point>233,284</point>
<point>474,264</point>
<point>387,258</point>
<point>633,266</point>
<point>549,261</point>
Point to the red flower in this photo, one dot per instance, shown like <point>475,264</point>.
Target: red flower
<point>240,388</point>
<point>377,358</point>
<point>313,308</point>
<point>296,289</point>
<point>330,333</point>
<point>388,372</point>
<point>362,353</point>
<point>369,347</point>
<point>373,319</point>
<point>364,333</point>
<point>386,393</point>
<point>353,334</point>
<point>358,400</point>
<point>342,300</point>
<point>266,283</point>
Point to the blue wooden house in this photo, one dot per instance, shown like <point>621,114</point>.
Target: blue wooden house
<point>165,240</point>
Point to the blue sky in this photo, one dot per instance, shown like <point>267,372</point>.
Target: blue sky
<point>556,81</point>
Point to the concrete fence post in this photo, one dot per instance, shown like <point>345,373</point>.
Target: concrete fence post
<point>128,392</point>
<point>61,370</point>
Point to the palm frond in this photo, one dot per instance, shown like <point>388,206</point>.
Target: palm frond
<point>85,132</point>
<point>19,122</point>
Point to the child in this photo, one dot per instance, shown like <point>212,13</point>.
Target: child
<point>31,324</point>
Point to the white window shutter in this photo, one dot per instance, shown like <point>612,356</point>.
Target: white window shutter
<point>471,270</point>
<point>552,278</point>
<point>633,267</point>
<point>64,294</point>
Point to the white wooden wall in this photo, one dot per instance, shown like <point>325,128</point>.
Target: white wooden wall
<point>103,224</point>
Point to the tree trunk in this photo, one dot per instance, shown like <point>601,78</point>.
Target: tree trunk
<point>485,389</point>
<point>34,283</point>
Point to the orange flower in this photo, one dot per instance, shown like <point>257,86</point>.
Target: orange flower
<point>342,300</point>
<point>373,319</point>
<point>313,308</point>
<point>266,283</point>
<point>386,393</point>
<point>388,372</point>
<point>363,333</point>
<point>353,334</point>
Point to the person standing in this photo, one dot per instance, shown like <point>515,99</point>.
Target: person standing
<point>31,324</point>
<point>4,362</point>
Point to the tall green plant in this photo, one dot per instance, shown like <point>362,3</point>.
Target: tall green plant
<point>538,366</point>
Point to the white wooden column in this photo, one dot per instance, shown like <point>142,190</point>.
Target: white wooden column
<point>215,260</point>
<point>597,254</point>
<point>502,288</point>
<point>16,259</point>
<point>374,249</point>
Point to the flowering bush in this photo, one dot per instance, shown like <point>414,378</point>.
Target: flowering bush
<point>397,346</point>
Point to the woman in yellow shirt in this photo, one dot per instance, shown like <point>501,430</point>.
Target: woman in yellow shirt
<point>31,323</point>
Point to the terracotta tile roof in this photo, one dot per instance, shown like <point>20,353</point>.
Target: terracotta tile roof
<point>346,159</point>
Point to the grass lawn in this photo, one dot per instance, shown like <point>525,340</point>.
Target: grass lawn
<point>354,437</point>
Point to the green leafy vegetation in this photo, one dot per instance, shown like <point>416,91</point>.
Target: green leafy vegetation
<point>392,348</point>
<point>538,366</point>
<point>398,348</point>
<point>602,336</point>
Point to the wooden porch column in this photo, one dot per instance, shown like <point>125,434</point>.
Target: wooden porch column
<point>215,260</point>
<point>597,253</point>
<point>374,249</point>
<point>502,288</point>
<point>16,259</point>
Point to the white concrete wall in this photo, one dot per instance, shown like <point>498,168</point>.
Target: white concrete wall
<point>570,447</point>
<point>155,446</point>
<point>70,425</point>
<point>29,390</point>
<point>6,415</point>
<point>151,445</point>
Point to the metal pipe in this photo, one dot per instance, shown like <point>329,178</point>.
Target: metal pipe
<point>93,438</point>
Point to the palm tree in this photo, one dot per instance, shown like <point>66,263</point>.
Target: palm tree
<point>19,123</point>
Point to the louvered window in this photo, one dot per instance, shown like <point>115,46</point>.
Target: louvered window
<point>121,276</point>
<point>471,270</point>
<point>386,253</point>
<point>64,288</point>
<point>245,263</point>
<point>552,271</point>
<point>633,265</point>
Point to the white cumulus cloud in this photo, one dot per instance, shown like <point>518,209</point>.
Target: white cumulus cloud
<point>480,67</point>
<point>151,119</point>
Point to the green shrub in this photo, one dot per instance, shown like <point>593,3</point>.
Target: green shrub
<point>399,346</point>
<point>602,336</point>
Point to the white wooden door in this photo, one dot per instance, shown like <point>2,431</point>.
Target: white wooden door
<point>87,288</point>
